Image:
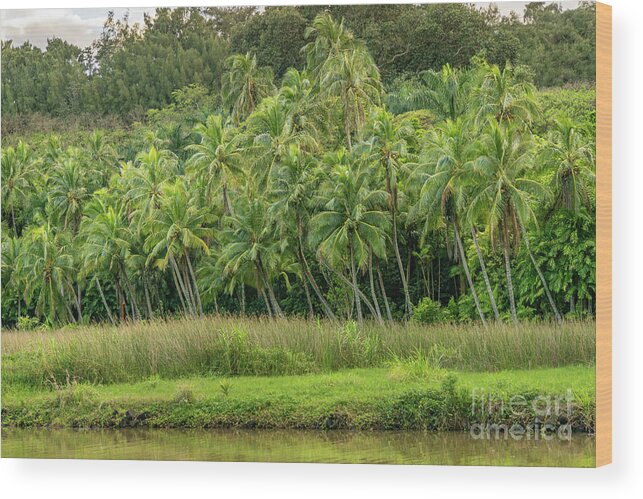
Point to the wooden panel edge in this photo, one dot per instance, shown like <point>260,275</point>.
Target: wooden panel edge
<point>603,234</point>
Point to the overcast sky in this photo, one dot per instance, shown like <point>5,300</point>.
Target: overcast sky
<point>82,26</point>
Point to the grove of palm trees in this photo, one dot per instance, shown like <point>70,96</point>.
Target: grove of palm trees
<point>401,239</point>
<point>321,195</point>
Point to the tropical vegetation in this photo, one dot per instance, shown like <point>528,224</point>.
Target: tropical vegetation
<point>456,195</point>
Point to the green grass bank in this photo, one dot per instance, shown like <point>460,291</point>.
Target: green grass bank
<point>253,373</point>
<point>399,397</point>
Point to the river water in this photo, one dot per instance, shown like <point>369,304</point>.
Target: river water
<point>297,446</point>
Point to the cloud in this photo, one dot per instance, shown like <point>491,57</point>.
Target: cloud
<point>77,26</point>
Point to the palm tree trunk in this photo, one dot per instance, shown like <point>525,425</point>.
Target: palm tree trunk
<point>510,287</point>
<point>148,302</point>
<point>227,208</point>
<point>271,291</point>
<point>243,299</point>
<point>349,283</point>
<point>304,280</point>
<point>465,265</point>
<point>540,274</point>
<point>180,285</point>
<point>265,300</point>
<point>383,291</point>
<point>358,304</point>
<point>372,283</point>
<point>196,287</point>
<point>13,220</point>
<point>102,297</point>
<point>483,267</point>
<point>407,298</point>
<point>327,310</point>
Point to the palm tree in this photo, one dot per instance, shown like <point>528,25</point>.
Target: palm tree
<point>354,79</point>
<point>307,113</point>
<point>446,93</point>
<point>351,221</point>
<point>386,149</point>
<point>250,246</point>
<point>17,172</point>
<point>443,196</point>
<point>505,194</point>
<point>505,97</point>
<point>294,184</point>
<point>101,157</point>
<point>68,192</point>
<point>12,273</point>
<point>106,235</point>
<point>571,157</point>
<point>144,182</point>
<point>273,132</point>
<point>216,158</point>
<point>330,39</point>
<point>49,273</point>
<point>245,84</point>
<point>177,228</point>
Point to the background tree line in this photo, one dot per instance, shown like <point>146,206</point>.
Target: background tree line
<point>458,194</point>
<point>132,68</point>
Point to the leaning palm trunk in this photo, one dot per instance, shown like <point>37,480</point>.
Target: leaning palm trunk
<point>372,283</point>
<point>393,208</point>
<point>483,267</point>
<point>349,283</point>
<point>309,275</point>
<point>463,257</point>
<point>271,292</point>
<point>102,297</point>
<point>181,288</point>
<point>389,316</point>
<point>358,304</point>
<point>510,287</point>
<point>540,275</point>
<point>194,283</point>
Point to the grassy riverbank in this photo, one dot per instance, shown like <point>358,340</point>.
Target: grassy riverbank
<point>400,397</point>
<point>229,372</point>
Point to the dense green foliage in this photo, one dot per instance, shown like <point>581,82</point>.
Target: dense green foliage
<point>132,68</point>
<point>322,194</point>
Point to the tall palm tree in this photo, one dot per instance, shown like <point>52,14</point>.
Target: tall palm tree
<point>505,97</point>
<point>178,228</point>
<point>144,181</point>
<point>273,132</point>
<point>294,185</point>
<point>352,221</point>
<point>245,84</point>
<point>216,158</point>
<point>250,245</point>
<point>354,79</point>
<point>12,273</point>
<point>443,196</point>
<point>505,194</point>
<point>106,234</point>
<point>329,39</point>
<point>49,273</point>
<point>386,148</point>
<point>18,169</point>
<point>571,157</point>
<point>68,192</point>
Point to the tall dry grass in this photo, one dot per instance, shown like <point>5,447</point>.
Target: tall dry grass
<point>250,346</point>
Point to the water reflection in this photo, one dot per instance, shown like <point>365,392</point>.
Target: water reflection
<point>295,446</point>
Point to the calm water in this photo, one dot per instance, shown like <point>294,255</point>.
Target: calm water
<point>295,446</point>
